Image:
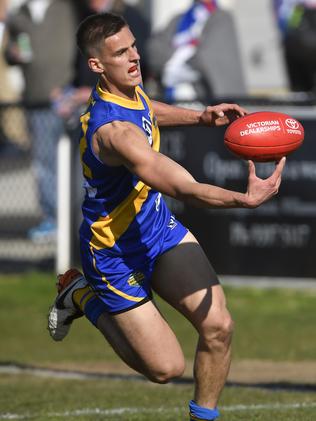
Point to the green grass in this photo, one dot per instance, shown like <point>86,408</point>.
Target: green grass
<point>270,324</point>
<point>43,399</point>
<point>274,324</point>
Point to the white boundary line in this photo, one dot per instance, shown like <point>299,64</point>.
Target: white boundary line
<point>126,411</point>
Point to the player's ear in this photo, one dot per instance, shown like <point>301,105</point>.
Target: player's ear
<point>95,65</point>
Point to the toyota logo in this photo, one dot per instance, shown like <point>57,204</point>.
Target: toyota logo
<point>291,123</point>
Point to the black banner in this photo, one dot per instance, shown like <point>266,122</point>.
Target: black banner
<point>276,239</point>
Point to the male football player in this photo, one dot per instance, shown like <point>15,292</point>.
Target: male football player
<point>131,244</point>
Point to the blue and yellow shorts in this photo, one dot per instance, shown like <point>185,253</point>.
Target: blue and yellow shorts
<point>123,282</point>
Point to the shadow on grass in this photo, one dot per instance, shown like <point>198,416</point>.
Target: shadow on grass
<point>16,368</point>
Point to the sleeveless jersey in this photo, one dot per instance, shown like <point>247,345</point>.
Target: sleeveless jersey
<point>121,214</point>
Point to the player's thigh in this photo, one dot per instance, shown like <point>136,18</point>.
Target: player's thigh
<point>185,278</point>
<point>144,340</point>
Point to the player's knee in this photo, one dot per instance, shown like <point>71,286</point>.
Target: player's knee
<point>218,330</point>
<point>167,371</point>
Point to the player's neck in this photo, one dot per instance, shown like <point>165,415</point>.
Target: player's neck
<point>124,92</point>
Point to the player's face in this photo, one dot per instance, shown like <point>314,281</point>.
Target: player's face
<point>120,61</point>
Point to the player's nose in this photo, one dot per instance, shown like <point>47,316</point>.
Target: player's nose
<point>134,55</point>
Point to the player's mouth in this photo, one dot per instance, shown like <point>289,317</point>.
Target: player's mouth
<point>134,70</point>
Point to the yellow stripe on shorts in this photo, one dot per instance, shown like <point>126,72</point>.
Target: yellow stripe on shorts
<point>112,288</point>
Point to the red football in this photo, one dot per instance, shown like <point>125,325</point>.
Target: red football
<point>264,136</point>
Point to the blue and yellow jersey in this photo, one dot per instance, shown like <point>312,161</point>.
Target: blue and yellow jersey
<point>121,213</point>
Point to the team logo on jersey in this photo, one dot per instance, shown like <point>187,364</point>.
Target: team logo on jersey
<point>157,201</point>
<point>136,279</point>
<point>147,126</point>
<point>172,222</point>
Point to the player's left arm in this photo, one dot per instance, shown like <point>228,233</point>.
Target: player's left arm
<point>212,115</point>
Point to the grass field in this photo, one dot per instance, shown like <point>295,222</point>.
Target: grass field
<point>273,372</point>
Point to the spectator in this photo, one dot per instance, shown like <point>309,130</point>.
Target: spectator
<point>297,23</point>
<point>196,56</point>
<point>41,41</point>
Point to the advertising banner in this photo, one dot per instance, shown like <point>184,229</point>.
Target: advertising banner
<point>276,239</point>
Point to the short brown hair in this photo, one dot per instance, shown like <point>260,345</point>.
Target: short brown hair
<point>95,28</point>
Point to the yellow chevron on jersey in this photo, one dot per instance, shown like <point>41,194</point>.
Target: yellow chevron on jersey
<point>106,230</point>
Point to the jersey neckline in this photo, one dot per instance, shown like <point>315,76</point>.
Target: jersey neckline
<point>124,102</point>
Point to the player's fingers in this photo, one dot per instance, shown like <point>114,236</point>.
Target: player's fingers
<point>223,108</point>
<point>220,113</point>
<point>277,184</point>
<point>217,110</point>
<point>252,169</point>
<point>240,110</point>
<point>243,111</point>
<point>280,166</point>
<point>235,108</point>
<point>276,177</point>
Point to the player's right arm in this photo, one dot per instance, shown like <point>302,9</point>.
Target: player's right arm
<point>212,116</point>
<point>123,143</point>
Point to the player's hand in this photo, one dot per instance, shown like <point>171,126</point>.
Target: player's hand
<point>222,114</point>
<point>259,190</point>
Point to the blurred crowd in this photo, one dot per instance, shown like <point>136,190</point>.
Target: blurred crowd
<point>194,57</point>
<point>297,24</point>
